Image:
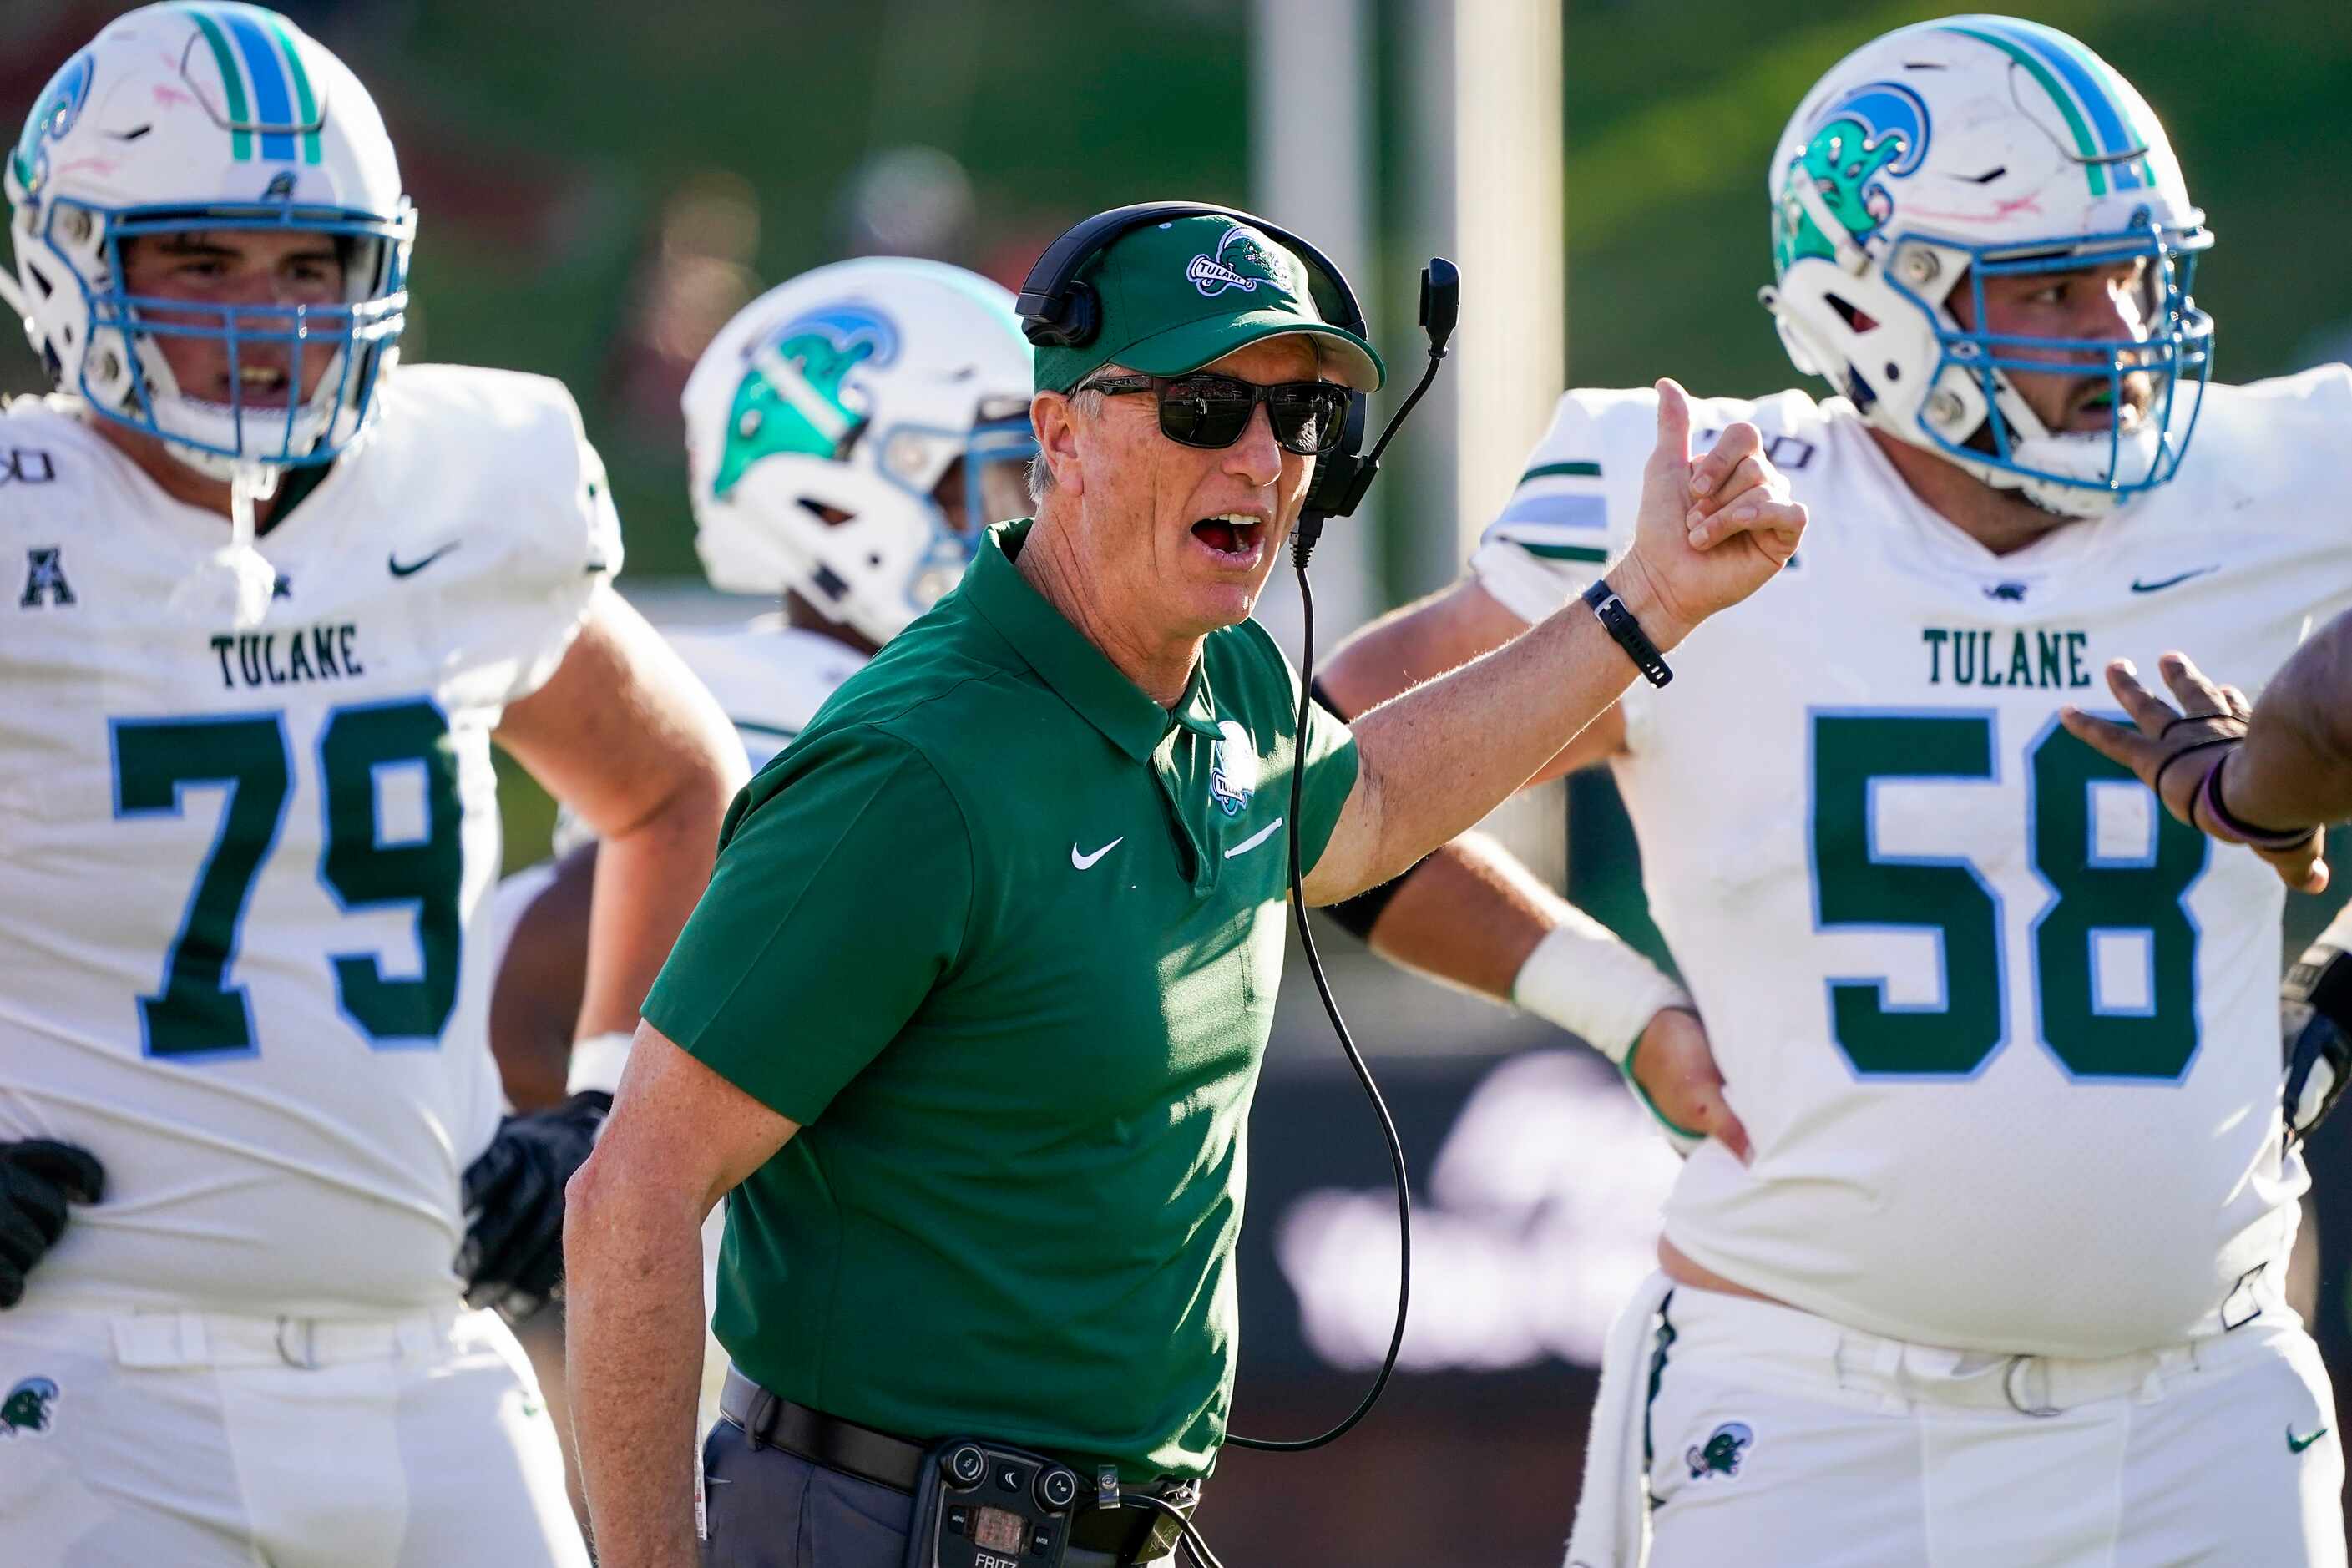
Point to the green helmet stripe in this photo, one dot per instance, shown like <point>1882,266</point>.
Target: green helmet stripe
<point>2084,147</point>
<point>232,83</point>
<point>2119,99</point>
<point>303,99</point>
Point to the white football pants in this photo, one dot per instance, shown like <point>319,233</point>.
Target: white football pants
<point>1777,1439</point>
<point>136,1439</point>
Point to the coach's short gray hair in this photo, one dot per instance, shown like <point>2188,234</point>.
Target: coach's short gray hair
<point>1087,401</point>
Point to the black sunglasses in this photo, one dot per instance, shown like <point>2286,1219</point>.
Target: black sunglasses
<point>1207,410</point>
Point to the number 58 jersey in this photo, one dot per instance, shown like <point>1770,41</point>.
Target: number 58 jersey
<point>2005,1036</point>
<point>238,867</point>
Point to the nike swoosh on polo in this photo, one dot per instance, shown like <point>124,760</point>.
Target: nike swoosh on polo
<point>410,569</point>
<point>2157,587</point>
<point>2295,1445</point>
<point>1254,839</point>
<point>1083,861</point>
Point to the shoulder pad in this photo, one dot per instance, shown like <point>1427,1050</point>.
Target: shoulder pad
<point>46,453</point>
<point>2287,437</point>
<point>539,497</point>
<point>1578,489</point>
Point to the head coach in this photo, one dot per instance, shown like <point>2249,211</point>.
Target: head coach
<point>969,1020</point>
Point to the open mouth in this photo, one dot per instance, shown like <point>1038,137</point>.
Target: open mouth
<point>2096,411</point>
<point>256,384</point>
<point>1233,538</point>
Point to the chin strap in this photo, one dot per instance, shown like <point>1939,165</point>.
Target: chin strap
<point>235,582</point>
<point>257,580</point>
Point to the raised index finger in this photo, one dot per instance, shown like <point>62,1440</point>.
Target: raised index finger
<point>1672,454</point>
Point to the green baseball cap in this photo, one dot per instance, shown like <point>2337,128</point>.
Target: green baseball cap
<point>1176,295</point>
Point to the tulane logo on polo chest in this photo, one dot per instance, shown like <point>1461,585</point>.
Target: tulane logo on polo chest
<point>1233,769</point>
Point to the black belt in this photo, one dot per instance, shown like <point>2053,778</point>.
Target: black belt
<point>772,1421</point>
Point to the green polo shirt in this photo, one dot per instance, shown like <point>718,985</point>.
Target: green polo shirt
<point>1004,935</point>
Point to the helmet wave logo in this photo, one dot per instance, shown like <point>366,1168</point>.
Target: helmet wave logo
<point>1877,131</point>
<point>1214,274</point>
<point>54,113</point>
<point>793,398</point>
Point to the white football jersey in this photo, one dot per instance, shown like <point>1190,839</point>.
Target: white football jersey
<point>2004,1034</point>
<point>770,677</point>
<point>237,869</point>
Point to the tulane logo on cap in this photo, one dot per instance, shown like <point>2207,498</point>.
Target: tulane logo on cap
<point>1237,247</point>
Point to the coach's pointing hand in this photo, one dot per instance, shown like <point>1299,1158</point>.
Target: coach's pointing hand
<point>1692,568</point>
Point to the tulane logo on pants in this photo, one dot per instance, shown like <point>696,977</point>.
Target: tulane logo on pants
<point>27,1408</point>
<point>1721,1453</point>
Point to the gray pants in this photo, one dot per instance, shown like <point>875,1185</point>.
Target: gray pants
<point>769,1509</point>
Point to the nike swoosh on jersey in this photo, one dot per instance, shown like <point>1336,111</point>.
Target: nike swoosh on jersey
<point>2295,1445</point>
<point>2157,587</point>
<point>1254,839</point>
<point>1083,861</point>
<point>411,568</point>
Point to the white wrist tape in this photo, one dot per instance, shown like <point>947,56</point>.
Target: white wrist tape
<point>1582,978</point>
<point>596,1063</point>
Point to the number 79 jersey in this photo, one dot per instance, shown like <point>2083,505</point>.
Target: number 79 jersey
<point>237,868</point>
<point>2004,1034</point>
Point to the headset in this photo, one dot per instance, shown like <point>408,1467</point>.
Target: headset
<point>1059,309</point>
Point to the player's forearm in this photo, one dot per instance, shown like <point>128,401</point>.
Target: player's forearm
<point>634,1335</point>
<point>649,879</point>
<point>2295,768</point>
<point>1468,915</point>
<point>1411,644</point>
<point>1437,759</point>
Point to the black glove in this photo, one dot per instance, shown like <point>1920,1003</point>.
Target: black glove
<point>37,1179</point>
<point>2315,1017</point>
<point>513,1256</point>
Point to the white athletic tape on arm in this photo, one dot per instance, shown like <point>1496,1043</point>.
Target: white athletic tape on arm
<point>596,1063</point>
<point>1582,978</point>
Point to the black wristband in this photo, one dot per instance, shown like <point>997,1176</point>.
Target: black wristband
<point>1619,621</point>
<point>1358,915</point>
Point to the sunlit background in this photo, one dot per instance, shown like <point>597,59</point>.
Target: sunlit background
<point>602,183</point>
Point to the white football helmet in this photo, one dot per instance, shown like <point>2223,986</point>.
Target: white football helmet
<point>850,393</point>
<point>207,117</point>
<point>1953,150</point>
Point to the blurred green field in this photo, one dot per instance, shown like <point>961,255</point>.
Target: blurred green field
<point>543,140</point>
<point>546,140</point>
